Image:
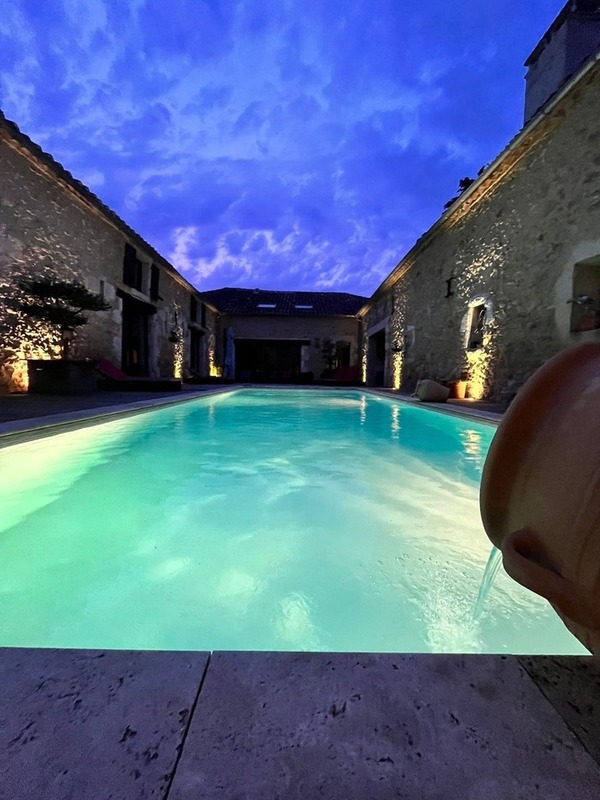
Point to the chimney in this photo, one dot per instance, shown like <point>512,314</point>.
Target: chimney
<point>573,37</point>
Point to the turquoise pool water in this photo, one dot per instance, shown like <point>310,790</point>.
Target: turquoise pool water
<point>284,520</point>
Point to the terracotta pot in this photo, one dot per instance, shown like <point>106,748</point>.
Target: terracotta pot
<point>458,389</point>
<point>540,490</point>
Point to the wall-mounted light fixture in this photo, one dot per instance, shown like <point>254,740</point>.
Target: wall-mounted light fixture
<point>449,290</point>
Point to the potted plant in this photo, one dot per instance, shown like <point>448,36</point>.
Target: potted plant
<point>457,382</point>
<point>60,305</point>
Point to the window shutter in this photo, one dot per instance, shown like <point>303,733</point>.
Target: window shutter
<point>193,309</point>
<point>154,281</point>
<point>203,315</point>
<point>129,265</point>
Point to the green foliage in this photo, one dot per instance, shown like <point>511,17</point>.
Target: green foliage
<point>463,185</point>
<point>57,302</point>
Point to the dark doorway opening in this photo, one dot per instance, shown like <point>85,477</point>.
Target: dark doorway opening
<point>196,351</point>
<point>136,316</point>
<point>268,361</point>
<point>342,354</point>
<point>376,359</point>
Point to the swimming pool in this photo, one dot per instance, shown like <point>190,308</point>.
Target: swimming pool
<point>259,519</point>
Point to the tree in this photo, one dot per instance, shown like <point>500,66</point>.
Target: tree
<point>59,304</point>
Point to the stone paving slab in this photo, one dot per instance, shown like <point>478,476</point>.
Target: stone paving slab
<point>79,725</point>
<point>572,685</point>
<point>300,725</point>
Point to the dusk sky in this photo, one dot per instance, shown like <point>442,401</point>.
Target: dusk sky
<point>282,144</point>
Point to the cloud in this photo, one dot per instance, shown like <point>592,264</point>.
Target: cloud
<point>287,144</point>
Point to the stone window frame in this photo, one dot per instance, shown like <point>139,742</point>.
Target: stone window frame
<point>146,266</point>
<point>139,277</point>
<point>476,301</point>
<point>585,298</point>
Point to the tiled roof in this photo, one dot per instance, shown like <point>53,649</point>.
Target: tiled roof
<point>261,301</point>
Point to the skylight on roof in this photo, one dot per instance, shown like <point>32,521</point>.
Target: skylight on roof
<point>300,306</point>
<point>266,305</point>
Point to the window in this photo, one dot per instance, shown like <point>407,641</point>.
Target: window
<point>476,327</point>
<point>132,268</point>
<point>303,307</point>
<point>585,303</point>
<point>203,315</point>
<point>154,281</point>
<point>193,309</point>
<point>266,305</point>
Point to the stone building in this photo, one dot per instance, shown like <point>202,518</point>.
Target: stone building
<point>510,273</point>
<point>51,224</point>
<point>289,336</point>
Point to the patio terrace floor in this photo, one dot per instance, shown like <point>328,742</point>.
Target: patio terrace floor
<point>184,726</point>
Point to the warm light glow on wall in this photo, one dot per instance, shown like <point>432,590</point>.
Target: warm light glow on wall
<point>480,363</point>
<point>396,370</point>
<point>363,359</point>
<point>27,339</point>
<point>396,332</point>
<point>472,273</point>
<point>178,359</point>
<point>213,370</point>
<point>480,360</point>
<point>177,338</point>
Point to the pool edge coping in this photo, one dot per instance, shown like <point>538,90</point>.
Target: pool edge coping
<point>486,417</point>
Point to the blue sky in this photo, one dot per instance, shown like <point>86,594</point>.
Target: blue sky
<point>283,144</point>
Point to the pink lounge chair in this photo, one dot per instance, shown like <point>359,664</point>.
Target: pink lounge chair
<point>115,379</point>
<point>350,375</point>
<point>344,376</point>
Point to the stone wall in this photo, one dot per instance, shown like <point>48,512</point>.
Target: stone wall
<point>46,228</point>
<point>310,328</point>
<point>510,245</point>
